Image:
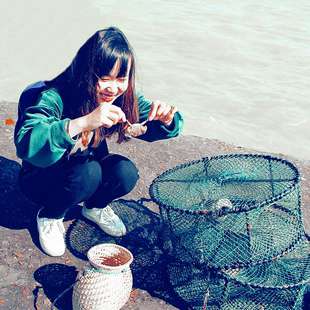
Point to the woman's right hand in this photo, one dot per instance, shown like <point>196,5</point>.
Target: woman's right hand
<point>106,114</point>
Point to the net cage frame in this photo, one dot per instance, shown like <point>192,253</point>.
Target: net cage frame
<point>214,290</point>
<point>287,212</point>
<point>279,284</point>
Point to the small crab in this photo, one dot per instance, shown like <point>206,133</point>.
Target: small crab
<point>138,129</point>
<point>135,130</point>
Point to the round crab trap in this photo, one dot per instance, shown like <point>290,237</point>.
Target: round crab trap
<point>229,211</point>
<point>279,284</point>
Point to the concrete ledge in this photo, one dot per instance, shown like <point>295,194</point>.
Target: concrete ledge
<point>23,266</point>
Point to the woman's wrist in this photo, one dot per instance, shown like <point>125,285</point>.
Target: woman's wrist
<point>73,138</point>
<point>76,126</point>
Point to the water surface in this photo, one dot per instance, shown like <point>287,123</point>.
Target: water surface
<point>238,70</point>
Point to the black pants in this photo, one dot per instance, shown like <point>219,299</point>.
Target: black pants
<point>80,178</point>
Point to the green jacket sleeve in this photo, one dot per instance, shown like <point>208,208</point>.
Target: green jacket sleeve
<point>42,138</point>
<point>155,129</point>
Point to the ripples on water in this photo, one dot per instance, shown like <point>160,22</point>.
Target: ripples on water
<point>239,70</point>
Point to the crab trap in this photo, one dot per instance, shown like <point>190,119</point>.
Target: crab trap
<point>279,284</point>
<point>232,227</point>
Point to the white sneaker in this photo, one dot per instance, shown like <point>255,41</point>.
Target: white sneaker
<point>51,235</point>
<point>106,219</point>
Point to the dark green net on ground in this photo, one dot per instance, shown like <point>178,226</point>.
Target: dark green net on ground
<point>232,226</point>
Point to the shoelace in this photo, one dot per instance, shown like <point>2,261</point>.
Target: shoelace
<point>50,228</point>
<point>107,215</point>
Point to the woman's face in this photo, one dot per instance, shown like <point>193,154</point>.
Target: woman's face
<point>111,87</point>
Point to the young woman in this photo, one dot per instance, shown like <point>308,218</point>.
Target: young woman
<point>61,136</point>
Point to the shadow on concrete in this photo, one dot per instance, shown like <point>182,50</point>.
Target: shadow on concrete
<point>142,239</point>
<point>17,212</point>
<point>57,282</point>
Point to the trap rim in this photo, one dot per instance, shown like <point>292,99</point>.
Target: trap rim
<point>251,206</point>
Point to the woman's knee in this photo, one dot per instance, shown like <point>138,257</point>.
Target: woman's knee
<point>85,176</point>
<point>120,174</point>
<point>128,175</point>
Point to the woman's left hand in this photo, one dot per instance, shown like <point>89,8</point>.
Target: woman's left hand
<point>162,112</point>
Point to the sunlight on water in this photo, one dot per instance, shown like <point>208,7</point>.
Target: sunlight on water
<point>239,71</point>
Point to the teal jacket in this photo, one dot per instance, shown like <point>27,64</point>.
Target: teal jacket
<point>40,136</point>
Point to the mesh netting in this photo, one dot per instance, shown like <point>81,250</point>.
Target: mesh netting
<point>278,284</point>
<point>230,211</point>
<point>232,227</point>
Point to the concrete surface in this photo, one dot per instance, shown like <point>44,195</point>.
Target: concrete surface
<point>29,279</point>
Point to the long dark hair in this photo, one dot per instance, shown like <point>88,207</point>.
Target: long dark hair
<point>96,58</point>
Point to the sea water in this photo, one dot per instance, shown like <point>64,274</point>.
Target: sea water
<point>238,70</point>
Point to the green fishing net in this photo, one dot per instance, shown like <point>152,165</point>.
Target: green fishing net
<point>277,284</point>
<point>232,227</point>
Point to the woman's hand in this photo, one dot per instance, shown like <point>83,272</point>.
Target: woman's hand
<point>106,114</point>
<point>162,112</point>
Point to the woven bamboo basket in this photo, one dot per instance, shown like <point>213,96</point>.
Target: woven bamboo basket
<point>107,285</point>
